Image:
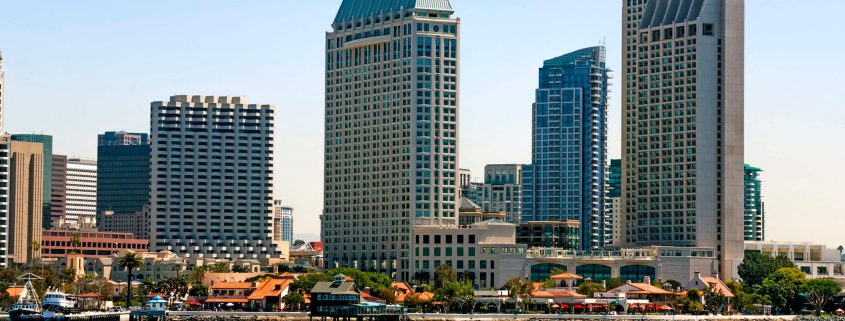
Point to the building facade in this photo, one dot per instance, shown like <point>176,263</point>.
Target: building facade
<point>755,210</point>
<point>26,196</point>
<point>552,234</point>
<point>815,260</point>
<point>57,243</point>
<point>5,174</point>
<point>391,131</point>
<point>137,223</point>
<point>682,125</point>
<point>81,195</point>
<point>501,191</point>
<point>566,179</point>
<point>212,177</point>
<point>46,142</point>
<point>58,190</point>
<point>123,173</point>
<point>614,203</point>
<point>282,222</point>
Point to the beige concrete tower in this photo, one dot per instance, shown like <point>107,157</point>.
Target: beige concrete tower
<point>391,130</point>
<point>682,173</point>
<point>25,201</point>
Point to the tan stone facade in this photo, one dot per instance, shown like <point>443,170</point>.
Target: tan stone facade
<point>25,200</point>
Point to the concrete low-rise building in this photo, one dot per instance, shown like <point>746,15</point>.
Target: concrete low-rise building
<point>58,244</point>
<point>815,260</point>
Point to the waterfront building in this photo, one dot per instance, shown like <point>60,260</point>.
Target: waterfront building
<point>485,253</point>
<point>815,260</point>
<point>391,131</point>
<point>566,179</point>
<point>25,200</point>
<point>564,234</point>
<point>682,126</point>
<point>501,191</point>
<point>57,243</point>
<point>755,210</point>
<point>58,190</point>
<point>46,142</point>
<point>614,203</point>
<point>282,222</point>
<point>212,170</point>
<point>81,195</point>
<point>123,175</point>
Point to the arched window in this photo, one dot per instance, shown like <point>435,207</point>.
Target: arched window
<point>541,272</point>
<point>595,272</point>
<point>636,273</point>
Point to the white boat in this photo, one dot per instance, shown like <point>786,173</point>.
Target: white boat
<point>27,304</point>
<point>55,300</point>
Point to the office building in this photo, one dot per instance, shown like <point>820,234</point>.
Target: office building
<point>25,200</point>
<point>123,173</point>
<point>465,178</point>
<point>614,203</point>
<point>47,152</point>
<point>58,191</point>
<point>2,97</point>
<point>682,126</point>
<point>566,179</point>
<point>391,131</point>
<point>501,191</point>
<point>755,210</point>
<point>81,195</point>
<point>57,244</point>
<point>282,222</point>
<point>137,223</point>
<point>212,177</point>
<point>5,146</point>
<point>550,234</point>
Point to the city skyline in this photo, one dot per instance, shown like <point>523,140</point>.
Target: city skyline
<point>783,198</point>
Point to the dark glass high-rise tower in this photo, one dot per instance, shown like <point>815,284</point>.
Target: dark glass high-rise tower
<point>123,172</point>
<point>566,178</point>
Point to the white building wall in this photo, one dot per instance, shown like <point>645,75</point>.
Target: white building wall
<point>81,193</point>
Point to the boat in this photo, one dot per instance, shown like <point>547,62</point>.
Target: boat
<point>57,301</point>
<point>28,307</point>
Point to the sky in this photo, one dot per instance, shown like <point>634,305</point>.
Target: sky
<point>78,68</point>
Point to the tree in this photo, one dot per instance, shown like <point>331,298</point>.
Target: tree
<point>452,292</point>
<point>613,283</point>
<point>293,301</point>
<point>240,269</point>
<point>715,300</point>
<point>691,301</point>
<point>588,288</point>
<point>36,250</point>
<point>519,290</point>
<point>306,282</point>
<point>755,267</point>
<point>386,294</point>
<point>129,261</point>
<point>840,248</point>
<point>443,274</point>
<point>549,284</point>
<point>298,243</point>
<point>75,241</point>
<point>819,292</point>
<point>219,267</point>
<point>782,287</point>
<point>198,290</point>
<point>674,284</point>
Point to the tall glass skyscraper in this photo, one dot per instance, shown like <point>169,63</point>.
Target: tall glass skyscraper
<point>567,176</point>
<point>682,125</point>
<point>123,172</point>
<point>755,211</point>
<point>391,130</point>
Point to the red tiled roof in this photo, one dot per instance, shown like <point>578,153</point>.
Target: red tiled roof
<point>551,293</point>
<point>269,289</point>
<point>316,246</point>
<point>646,288</point>
<point>14,291</point>
<point>226,300</point>
<point>232,285</point>
<point>566,276</point>
<point>719,286</point>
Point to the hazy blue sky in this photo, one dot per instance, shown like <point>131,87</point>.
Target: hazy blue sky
<point>78,68</point>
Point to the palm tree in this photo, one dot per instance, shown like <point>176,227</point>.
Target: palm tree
<point>840,248</point>
<point>129,261</point>
<point>75,241</point>
<point>36,249</point>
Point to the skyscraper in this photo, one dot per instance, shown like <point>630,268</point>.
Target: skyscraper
<point>682,125</point>
<point>614,202</point>
<point>5,149</point>
<point>58,191</point>
<point>282,222</point>
<point>391,130</point>
<point>501,191</point>
<point>47,157</point>
<point>123,172</point>
<point>212,177</point>
<point>81,195</point>
<point>2,98</point>
<point>566,179</point>
<point>755,210</point>
<point>25,199</point>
